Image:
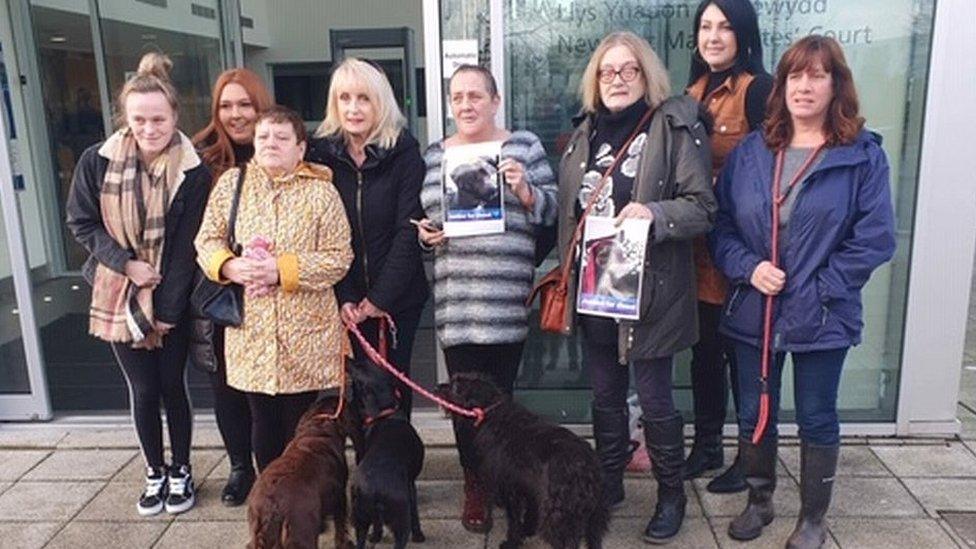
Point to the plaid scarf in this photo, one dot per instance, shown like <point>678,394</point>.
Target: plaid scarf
<point>134,201</point>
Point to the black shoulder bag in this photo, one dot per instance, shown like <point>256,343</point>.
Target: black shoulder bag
<point>223,303</point>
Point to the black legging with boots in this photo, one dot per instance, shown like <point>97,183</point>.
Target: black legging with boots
<point>155,377</point>
<point>234,422</point>
<point>275,420</point>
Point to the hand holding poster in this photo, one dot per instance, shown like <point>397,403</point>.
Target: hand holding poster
<point>611,267</point>
<point>471,190</point>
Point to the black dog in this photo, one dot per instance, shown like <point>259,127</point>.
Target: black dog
<point>546,478</point>
<point>384,487</point>
<point>477,184</point>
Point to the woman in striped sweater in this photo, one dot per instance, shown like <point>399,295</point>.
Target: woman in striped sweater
<point>481,282</point>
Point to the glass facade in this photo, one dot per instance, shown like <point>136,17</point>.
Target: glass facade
<point>76,54</point>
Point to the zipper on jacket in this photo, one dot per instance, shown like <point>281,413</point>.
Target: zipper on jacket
<point>362,228</point>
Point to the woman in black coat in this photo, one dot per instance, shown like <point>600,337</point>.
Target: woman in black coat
<point>378,170</point>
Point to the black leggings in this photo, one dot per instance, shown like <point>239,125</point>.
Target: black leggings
<point>611,380</point>
<point>499,362</point>
<point>154,377</point>
<point>274,419</point>
<point>231,408</point>
<point>709,380</point>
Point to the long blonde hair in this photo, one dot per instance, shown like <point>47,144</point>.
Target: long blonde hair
<point>355,72</point>
<point>152,76</point>
<point>657,84</point>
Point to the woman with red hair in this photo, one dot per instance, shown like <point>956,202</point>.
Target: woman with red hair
<point>805,217</point>
<point>239,97</point>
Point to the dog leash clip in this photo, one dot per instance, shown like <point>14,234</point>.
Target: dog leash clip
<point>479,416</point>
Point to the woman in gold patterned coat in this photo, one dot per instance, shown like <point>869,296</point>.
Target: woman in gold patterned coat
<point>295,246</point>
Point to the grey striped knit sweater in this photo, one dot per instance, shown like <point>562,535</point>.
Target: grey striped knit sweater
<point>481,282</point>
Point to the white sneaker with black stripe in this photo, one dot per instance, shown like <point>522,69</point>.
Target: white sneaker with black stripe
<point>152,498</point>
<point>182,493</point>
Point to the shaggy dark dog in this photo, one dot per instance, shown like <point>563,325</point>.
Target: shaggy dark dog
<point>477,184</point>
<point>384,489</point>
<point>295,494</point>
<point>546,478</point>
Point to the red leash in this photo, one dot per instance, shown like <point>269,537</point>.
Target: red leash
<point>778,198</point>
<point>478,414</point>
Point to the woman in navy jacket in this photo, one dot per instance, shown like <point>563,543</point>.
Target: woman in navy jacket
<point>836,226</point>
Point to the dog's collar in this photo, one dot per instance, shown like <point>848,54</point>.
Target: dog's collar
<point>384,413</point>
<point>482,413</point>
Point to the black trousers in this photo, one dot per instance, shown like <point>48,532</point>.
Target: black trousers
<point>158,377</point>
<point>231,408</point>
<point>709,379</point>
<point>500,362</point>
<point>399,355</point>
<point>274,419</point>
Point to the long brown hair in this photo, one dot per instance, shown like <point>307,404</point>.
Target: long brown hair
<point>213,141</point>
<point>843,121</point>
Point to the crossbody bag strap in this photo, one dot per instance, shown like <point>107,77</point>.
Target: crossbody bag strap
<point>578,233</point>
<point>232,217</point>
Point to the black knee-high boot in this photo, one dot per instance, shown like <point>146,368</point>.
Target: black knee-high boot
<point>611,430</point>
<point>665,444</point>
<point>818,464</point>
<point>759,467</point>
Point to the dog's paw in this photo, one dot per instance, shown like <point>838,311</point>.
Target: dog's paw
<point>418,537</point>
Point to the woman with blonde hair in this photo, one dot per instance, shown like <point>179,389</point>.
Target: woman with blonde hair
<point>662,175</point>
<point>135,204</point>
<point>239,97</point>
<point>378,171</point>
<point>295,240</point>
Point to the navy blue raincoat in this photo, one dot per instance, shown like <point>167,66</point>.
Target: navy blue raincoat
<point>841,229</point>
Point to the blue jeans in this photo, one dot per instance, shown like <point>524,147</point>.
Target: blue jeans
<point>816,376</point>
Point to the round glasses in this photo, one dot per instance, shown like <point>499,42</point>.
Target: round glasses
<point>627,74</point>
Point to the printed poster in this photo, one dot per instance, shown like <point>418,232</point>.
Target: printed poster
<point>611,267</point>
<point>471,190</point>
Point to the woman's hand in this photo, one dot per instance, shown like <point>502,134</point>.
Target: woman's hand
<point>514,174</point>
<point>349,312</point>
<point>368,310</point>
<point>142,274</point>
<point>162,328</point>
<point>262,272</point>
<point>634,210</point>
<point>768,279</point>
<point>429,235</point>
<point>235,270</point>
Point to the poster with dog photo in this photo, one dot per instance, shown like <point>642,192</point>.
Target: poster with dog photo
<point>472,192</point>
<point>611,267</point>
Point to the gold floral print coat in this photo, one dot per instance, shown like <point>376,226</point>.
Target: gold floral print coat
<point>293,339</point>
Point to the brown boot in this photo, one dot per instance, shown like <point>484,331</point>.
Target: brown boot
<point>474,517</point>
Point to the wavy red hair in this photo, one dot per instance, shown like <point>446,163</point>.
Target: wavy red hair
<point>843,121</point>
<point>213,141</point>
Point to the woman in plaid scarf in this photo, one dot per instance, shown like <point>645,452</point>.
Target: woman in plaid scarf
<point>135,204</point>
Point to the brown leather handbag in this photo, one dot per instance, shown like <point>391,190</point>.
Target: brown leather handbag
<point>553,288</point>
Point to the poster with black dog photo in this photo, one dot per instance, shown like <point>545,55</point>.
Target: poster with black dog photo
<point>471,188</point>
<point>613,261</point>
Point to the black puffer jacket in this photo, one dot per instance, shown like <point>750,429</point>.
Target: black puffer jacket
<point>380,197</point>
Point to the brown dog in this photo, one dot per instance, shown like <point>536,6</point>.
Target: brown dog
<point>294,496</point>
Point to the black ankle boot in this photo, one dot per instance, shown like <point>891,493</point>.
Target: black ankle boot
<point>730,481</point>
<point>817,467</point>
<point>706,454</point>
<point>611,430</point>
<point>239,484</point>
<point>759,468</point>
<point>665,444</point>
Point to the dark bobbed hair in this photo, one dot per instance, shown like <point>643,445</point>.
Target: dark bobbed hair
<point>279,114</point>
<point>844,121</point>
<point>745,24</point>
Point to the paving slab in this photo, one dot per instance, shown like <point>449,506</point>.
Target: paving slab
<point>98,535</point>
<point>962,526</point>
<point>944,494</point>
<point>944,460</point>
<point>80,465</point>
<point>773,537</point>
<point>29,437</point>
<point>786,499</point>
<point>46,501</point>
<point>112,437</point>
<point>209,507</point>
<point>967,419</point>
<point>642,497</point>
<point>888,532</point>
<point>204,535</point>
<point>14,463</point>
<point>4,486</point>
<point>872,497</point>
<point>854,461</point>
<point>27,535</point>
<point>203,462</point>
<point>117,503</point>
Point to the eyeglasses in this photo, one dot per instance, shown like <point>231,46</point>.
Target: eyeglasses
<point>627,74</point>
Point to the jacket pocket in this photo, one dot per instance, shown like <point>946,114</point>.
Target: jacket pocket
<point>649,295</point>
<point>744,312</point>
